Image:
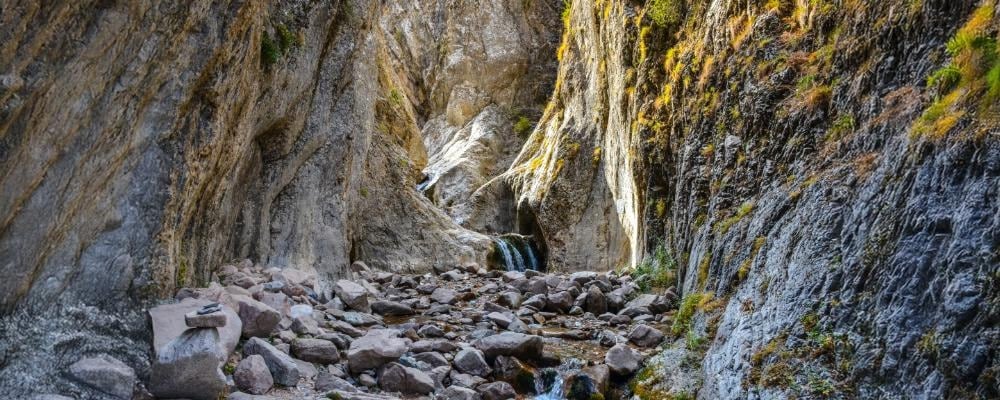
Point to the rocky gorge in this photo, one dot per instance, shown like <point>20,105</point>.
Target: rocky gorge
<point>734,199</point>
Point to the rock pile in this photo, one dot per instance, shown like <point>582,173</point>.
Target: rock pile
<point>464,333</point>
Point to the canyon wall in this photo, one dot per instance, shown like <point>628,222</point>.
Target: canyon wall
<point>832,212</point>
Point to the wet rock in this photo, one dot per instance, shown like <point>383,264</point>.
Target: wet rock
<point>513,371</point>
<point>106,374</point>
<point>609,338</point>
<point>472,361</point>
<point>644,336</point>
<point>456,392</point>
<point>258,319</point>
<point>188,366</point>
<point>397,378</point>
<point>623,360</point>
<point>391,308</point>
<point>374,350</point>
<point>525,347</point>
<point>353,295</point>
<point>283,369</point>
<point>497,391</point>
<point>253,376</point>
<point>601,376</point>
<point>316,350</point>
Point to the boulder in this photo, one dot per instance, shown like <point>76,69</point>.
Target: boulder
<point>432,358</point>
<point>471,361</point>
<point>559,302</point>
<point>283,368</point>
<point>327,381</point>
<point>253,376</point>
<point>406,380</point>
<point>188,366</point>
<point>501,319</point>
<point>106,374</point>
<point>316,350</point>
<point>353,295</point>
<point>513,371</point>
<point>444,296</point>
<point>497,391</point>
<point>645,336</point>
<point>596,303</point>
<point>391,308</point>
<point>374,350</point>
<point>455,392</point>
<point>525,347</point>
<point>438,345</point>
<point>623,360</point>
<point>168,324</point>
<point>258,319</point>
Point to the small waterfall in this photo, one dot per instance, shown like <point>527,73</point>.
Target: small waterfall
<point>508,259</point>
<point>547,392</point>
<point>517,252</point>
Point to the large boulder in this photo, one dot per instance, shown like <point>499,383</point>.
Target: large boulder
<point>316,350</point>
<point>497,391</point>
<point>258,319</point>
<point>188,366</point>
<point>525,347</point>
<point>105,374</point>
<point>406,380</point>
<point>596,302</point>
<point>353,295</point>
<point>374,350</point>
<point>253,376</point>
<point>283,368</point>
<point>623,360</point>
<point>444,296</point>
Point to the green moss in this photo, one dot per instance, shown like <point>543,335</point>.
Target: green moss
<point>843,125</point>
<point>665,12</point>
<point>745,209</point>
<point>287,40</point>
<point>685,313</point>
<point>703,266</point>
<point>395,98</point>
<point>523,126</point>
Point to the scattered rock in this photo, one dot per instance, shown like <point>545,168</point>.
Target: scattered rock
<point>623,360</point>
<point>497,391</point>
<point>353,295</point>
<point>525,347</point>
<point>391,308</point>
<point>644,336</point>
<point>258,319</point>
<point>471,361</point>
<point>372,351</point>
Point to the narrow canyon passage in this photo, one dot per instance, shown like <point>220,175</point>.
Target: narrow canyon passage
<point>496,199</point>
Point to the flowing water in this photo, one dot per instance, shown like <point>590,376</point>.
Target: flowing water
<point>517,252</point>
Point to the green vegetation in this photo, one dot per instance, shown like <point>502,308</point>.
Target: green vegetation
<point>843,125</point>
<point>685,313</point>
<point>272,49</point>
<point>706,262</point>
<point>665,12</point>
<point>973,75</point>
<point>745,209</point>
<point>523,126</point>
<point>656,271</point>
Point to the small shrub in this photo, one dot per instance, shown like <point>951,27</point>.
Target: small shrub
<point>269,51</point>
<point>665,12</point>
<point>523,126</point>
<point>685,313</point>
<point>656,271</point>
<point>745,209</point>
<point>843,125</point>
<point>596,157</point>
<point>286,39</point>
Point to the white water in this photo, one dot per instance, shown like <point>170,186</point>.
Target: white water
<point>531,256</point>
<point>556,392</point>
<point>508,259</point>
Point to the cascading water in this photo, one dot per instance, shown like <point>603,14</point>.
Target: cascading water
<point>517,252</point>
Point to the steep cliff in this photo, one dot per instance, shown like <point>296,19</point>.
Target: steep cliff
<point>832,211</point>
